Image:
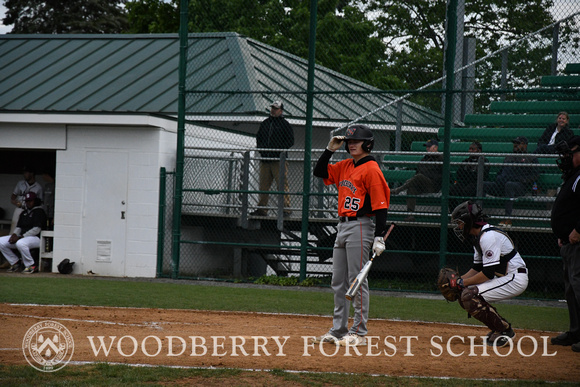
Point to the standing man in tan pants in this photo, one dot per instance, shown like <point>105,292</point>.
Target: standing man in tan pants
<point>275,133</point>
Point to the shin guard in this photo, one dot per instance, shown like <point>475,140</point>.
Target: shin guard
<point>481,310</point>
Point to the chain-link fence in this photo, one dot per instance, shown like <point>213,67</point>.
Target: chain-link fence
<point>507,92</point>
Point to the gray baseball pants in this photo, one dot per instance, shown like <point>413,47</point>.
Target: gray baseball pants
<point>351,251</point>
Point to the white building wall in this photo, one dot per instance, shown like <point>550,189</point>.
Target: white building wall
<point>148,149</point>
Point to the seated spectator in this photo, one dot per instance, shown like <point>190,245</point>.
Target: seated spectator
<point>513,181</point>
<point>427,178</point>
<point>26,236</point>
<point>28,184</point>
<point>466,178</point>
<point>555,133</point>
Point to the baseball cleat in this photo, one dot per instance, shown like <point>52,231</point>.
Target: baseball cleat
<point>14,268</point>
<point>501,339</point>
<point>325,338</point>
<point>352,340</point>
<point>29,270</point>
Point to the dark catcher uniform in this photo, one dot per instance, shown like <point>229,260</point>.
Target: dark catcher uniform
<point>566,217</point>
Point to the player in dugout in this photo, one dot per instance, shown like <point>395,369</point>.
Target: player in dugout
<point>362,192</point>
<point>498,272</point>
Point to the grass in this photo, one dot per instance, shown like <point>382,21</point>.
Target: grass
<point>151,294</point>
<point>114,375</point>
<point>54,290</point>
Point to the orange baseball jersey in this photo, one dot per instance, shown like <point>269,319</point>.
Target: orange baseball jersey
<point>357,185</point>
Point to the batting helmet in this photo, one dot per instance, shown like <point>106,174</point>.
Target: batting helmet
<point>360,132</point>
<point>65,266</point>
<point>468,214</point>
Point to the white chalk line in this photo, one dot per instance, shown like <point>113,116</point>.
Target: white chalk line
<point>294,371</point>
<point>154,323</point>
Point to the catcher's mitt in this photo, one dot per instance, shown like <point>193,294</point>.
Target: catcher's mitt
<point>447,284</point>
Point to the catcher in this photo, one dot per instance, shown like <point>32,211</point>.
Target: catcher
<point>498,272</point>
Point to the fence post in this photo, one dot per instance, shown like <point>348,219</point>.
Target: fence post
<point>555,43</point>
<point>449,116</point>
<point>504,66</point>
<point>281,181</point>
<point>245,187</point>
<point>468,77</point>
<point>161,221</point>
<point>480,172</point>
<point>178,194</point>
<point>399,126</point>
<point>308,139</point>
<point>230,182</point>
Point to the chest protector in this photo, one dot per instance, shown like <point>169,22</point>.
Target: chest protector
<point>503,259</point>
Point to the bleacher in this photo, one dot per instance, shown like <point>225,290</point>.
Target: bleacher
<point>528,116</point>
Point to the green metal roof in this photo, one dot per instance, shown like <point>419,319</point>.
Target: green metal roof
<point>227,74</point>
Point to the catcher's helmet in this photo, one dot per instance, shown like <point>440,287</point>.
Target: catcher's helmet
<point>360,132</point>
<point>468,214</point>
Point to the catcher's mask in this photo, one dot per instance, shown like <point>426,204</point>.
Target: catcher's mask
<point>468,215</point>
<point>566,154</point>
<point>360,132</point>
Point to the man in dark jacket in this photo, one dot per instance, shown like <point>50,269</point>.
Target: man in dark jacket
<point>513,181</point>
<point>466,177</point>
<point>566,225</point>
<point>274,133</point>
<point>427,178</point>
<point>26,235</point>
<point>554,134</point>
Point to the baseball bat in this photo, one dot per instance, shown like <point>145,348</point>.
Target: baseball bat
<point>360,278</point>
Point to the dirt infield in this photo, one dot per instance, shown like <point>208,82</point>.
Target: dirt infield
<point>272,341</point>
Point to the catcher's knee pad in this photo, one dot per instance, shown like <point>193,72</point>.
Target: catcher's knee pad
<point>468,299</point>
<point>480,309</point>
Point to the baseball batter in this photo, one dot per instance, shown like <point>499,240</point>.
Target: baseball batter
<point>498,271</point>
<point>362,192</point>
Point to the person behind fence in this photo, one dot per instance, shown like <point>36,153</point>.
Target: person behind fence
<point>26,235</point>
<point>362,192</point>
<point>554,134</point>
<point>512,180</point>
<point>565,221</point>
<point>498,272</point>
<point>427,179</point>
<point>275,132</point>
<point>466,178</point>
<point>28,184</point>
